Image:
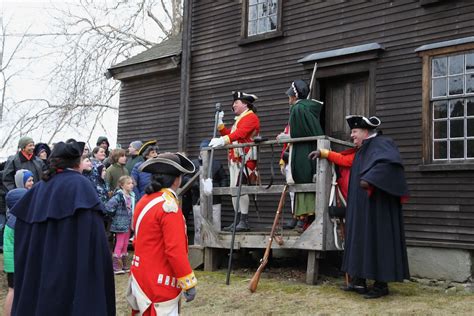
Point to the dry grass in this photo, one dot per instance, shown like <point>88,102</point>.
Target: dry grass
<point>280,296</point>
<point>282,292</point>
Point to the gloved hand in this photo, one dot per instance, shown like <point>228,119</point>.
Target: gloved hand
<point>207,186</point>
<point>314,154</point>
<point>282,137</point>
<point>217,142</point>
<point>283,169</point>
<point>189,294</point>
<point>220,117</point>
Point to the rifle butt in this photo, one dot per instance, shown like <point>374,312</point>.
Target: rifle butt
<point>254,281</point>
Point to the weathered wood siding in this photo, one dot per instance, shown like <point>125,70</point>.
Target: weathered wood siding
<point>149,110</point>
<point>441,208</point>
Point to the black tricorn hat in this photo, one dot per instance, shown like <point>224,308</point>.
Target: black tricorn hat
<point>245,97</point>
<point>147,145</point>
<point>71,150</point>
<point>359,121</point>
<point>40,147</point>
<point>298,89</point>
<point>168,163</point>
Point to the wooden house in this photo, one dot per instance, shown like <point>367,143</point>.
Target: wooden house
<point>410,62</point>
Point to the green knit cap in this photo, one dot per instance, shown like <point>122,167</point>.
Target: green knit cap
<point>25,140</point>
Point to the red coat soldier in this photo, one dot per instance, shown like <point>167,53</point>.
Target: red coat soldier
<point>245,128</point>
<point>160,270</point>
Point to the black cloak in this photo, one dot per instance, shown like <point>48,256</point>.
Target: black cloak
<point>375,239</point>
<point>62,262</point>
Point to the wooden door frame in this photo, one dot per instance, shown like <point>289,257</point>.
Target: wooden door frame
<point>326,73</point>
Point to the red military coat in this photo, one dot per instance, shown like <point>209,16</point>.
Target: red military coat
<point>160,264</point>
<point>245,128</point>
<point>344,160</point>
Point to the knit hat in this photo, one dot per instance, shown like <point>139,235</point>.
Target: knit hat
<point>21,176</point>
<point>136,144</point>
<point>25,140</point>
<point>14,196</point>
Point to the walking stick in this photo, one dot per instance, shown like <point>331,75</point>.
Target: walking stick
<point>237,207</point>
<point>263,262</point>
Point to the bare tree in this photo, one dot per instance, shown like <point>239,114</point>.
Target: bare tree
<point>98,35</point>
<point>87,37</point>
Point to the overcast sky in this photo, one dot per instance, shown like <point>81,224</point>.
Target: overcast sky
<point>34,16</point>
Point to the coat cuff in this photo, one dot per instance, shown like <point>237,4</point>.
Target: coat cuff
<point>226,139</point>
<point>324,153</point>
<point>187,282</point>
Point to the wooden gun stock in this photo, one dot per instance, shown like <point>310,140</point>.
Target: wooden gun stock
<point>263,262</point>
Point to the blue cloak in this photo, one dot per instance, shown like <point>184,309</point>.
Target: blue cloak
<point>375,239</point>
<point>62,262</point>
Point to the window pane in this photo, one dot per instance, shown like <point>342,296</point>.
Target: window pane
<point>262,10</point>
<point>456,64</point>
<point>470,83</point>
<point>439,87</point>
<point>252,28</point>
<point>456,128</point>
<point>470,62</point>
<point>252,12</point>
<point>440,129</point>
<point>262,25</point>
<point>457,149</point>
<point>273,7</point>
<point>470,148</point>
<point>456,108</point>
<point>440,109</point>
<point>262,1</point>
<point>439,66</point>
<point>440,150</point>
<point>470,107</point>
<point>470,128</point>
<point>251,2</point>
<point>273,22</point>
<point>456,85</point>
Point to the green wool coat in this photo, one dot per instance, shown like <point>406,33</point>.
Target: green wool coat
<point>304,122</point>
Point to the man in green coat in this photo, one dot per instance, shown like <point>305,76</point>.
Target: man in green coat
<point>304,122</point>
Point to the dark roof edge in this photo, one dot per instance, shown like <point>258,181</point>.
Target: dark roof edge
<point>459,41</point>
<point>341,52</point>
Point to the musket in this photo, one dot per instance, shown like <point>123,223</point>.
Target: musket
<point>263,262</point>
<point>313,76</point>
<point>214,134</point>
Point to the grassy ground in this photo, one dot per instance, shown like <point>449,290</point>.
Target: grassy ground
<point>283,292</point>
<point>279,296</point>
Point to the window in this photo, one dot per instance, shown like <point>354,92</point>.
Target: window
<point>452,107</point>
<point>262,16</point>
<point>261,20</point>
<point>448,105</point>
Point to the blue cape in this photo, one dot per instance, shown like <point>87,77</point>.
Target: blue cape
<point>62,261</point>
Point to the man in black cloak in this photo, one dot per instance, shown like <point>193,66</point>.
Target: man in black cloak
<point>62,262</point>
<point>375,243</point>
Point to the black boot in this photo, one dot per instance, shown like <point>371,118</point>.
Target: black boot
<point>243,225</point>
<point>231,226</point>
<point>357,285</point>
<point>378,290</point>
<point>290,224</point>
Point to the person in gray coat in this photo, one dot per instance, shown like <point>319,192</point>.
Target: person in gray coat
<point>23,159</point>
